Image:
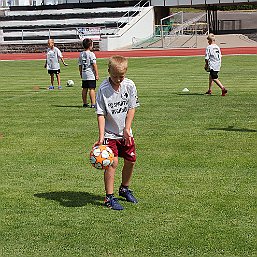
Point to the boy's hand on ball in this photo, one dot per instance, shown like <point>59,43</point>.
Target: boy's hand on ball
<point>96,143</point>
<point>99,142</point>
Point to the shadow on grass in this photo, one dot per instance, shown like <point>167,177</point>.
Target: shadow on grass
<point>39,88</point>
<point>69,106</point>
<point>71,198</point>
<point>232,128</point>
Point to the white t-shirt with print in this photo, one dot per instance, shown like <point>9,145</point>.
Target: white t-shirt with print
<point>114,105</point>
<point>52,57</point>
<point>86,60</point>
<point>213,55</point>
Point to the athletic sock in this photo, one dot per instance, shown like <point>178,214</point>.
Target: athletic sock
<point>109,195</point>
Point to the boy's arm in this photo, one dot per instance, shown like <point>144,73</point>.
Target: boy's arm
<point>101,126</point>
<point>96,71</point>
<point>80,70</point>
<point>206,66</point>
<point>128,124</point>
<point>64,63</point>
<point>206,59</point>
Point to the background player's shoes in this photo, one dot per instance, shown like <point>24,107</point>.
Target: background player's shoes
<point>112,203</point>
<point>59,87</point>
<point>92,106</point>
<point>85,105</point>
<point>208,92</point>
<point>128,194</point>
<point>224,92</point>
<point>51,88</point>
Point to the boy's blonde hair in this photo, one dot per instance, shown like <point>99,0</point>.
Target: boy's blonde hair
<point>118,63</point>
<point>211,37</point>
<point>50,42</point>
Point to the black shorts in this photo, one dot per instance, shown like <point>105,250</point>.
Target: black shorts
<point>214,74</point>
<point>54,71</point>
<point>88,83</point>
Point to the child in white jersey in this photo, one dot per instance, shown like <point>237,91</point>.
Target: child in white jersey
<point>116,102</point>
<point>212,64</point>
<point>88,72</point>
<point>52,64</point>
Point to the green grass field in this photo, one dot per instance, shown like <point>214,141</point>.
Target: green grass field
<point>195,177</point>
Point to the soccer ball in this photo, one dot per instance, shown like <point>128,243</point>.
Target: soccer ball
<point>101,157</point>
<point>70,83</point>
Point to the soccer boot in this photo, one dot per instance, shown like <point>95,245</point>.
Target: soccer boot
<point>112,203</point>
<point>128,194</point>
<point>208,92</point>
<point>224,91</point>
<point>51,88</point>
<point>59,87</point>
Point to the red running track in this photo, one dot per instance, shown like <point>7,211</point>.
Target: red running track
<point>134,53</point>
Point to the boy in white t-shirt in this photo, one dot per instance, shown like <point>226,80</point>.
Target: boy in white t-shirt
<point>213,63</point>
<point>116,102</point>
<point>52,64</point>
<point>88,72</point>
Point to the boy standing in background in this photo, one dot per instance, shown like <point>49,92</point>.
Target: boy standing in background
<point>52,64</point>
<point>88,72</point>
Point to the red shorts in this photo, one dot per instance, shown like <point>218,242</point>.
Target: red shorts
<point>119,148</point>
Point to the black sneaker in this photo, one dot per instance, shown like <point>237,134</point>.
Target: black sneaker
<point>85,105</point>
<point>92,106</point>
<point>127,193</point>
<point>112,203</point>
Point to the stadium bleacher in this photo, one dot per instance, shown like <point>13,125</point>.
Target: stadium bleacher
<point>34,26</point>
<point>62,24</point>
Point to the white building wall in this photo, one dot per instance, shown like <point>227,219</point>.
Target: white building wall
<point>24,2</point>
<point>141,27</point>
<point>50,2</point>
<point>5,3</point>
<point>1,36</point>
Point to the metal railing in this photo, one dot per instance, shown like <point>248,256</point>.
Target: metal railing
<point>175,31</point>
<point>188,25</point>
<point>131,13</point>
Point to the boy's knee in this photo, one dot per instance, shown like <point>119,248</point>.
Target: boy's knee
<point>115,163</point>
<point>129,163</point>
